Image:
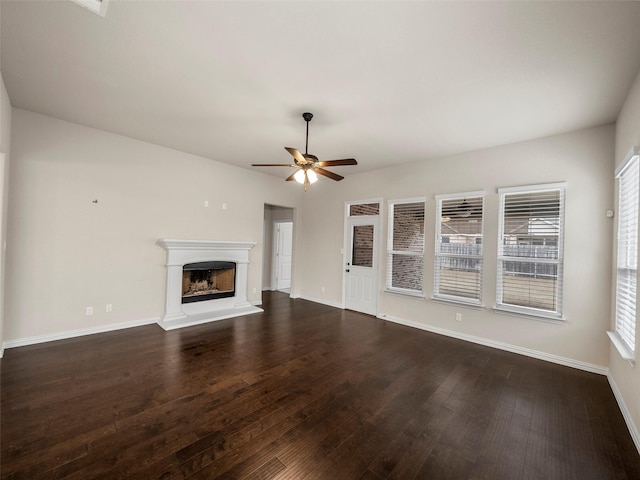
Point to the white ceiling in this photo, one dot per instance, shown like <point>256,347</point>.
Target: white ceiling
<point>388,82</point>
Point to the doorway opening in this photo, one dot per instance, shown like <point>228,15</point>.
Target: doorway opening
<point>277,263</point>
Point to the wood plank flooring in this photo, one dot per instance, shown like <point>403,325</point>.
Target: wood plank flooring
<point>302,391</point>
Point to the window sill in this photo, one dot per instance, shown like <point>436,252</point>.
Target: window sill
<point>624,351</point>
<point>454,301</point>
<point>530,315</point>
<point>407,293</point>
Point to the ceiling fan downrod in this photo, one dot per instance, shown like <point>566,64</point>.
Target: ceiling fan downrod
<point>307,118</point>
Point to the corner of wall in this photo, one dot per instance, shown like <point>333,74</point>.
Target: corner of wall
<point>628,418</point>
<point>624,381</point>
<point>5,141</point>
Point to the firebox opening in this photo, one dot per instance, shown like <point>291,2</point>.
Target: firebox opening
<point>208,281</point>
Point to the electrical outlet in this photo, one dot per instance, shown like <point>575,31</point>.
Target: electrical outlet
<point>458,317</point>
<point>206,203</point>
<point>89,310</point>
<point>109,307</point>
<point>323,289</point>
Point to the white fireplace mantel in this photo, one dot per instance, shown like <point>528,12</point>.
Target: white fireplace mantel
<point>181,252</point>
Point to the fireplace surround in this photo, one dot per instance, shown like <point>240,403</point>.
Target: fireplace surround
<point>205,255</point>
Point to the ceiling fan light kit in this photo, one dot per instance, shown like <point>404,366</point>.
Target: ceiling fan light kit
<point>305,176</point>
<point>308,165</point>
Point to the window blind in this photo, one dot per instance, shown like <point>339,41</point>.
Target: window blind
<point>458,250</point>
<point>530,251</point>
<point>627,258</point>
<point>405,246</point>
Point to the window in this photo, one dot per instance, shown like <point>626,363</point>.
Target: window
<point>405,246</point>
<point>360,209</point>
<point>458,257</point>
<point>530,251</point>
<point>627,258</point>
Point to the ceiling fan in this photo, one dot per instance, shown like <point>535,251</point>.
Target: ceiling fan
<point>308,165</point>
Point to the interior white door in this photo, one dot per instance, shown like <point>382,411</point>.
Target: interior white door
<point>361,269</point>
<point>284,254</point>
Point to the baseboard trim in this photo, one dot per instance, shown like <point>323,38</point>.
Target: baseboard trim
<point>568,362</point>
<point>319,300</point>
<point>23,342</point>
<point>633,429</point>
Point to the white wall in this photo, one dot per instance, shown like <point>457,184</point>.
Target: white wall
<point>5,147</point>
<point>583,159</point>
<point>66,252</point>
<point>5,141</point>
<point>625,376</point>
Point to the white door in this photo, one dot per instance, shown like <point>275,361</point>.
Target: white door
<point>284,253</point>
<point>361,269</point>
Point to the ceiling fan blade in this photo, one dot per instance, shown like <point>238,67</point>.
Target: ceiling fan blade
<point>296,155</point>
<point>335,163</point>
<point>327,173</point>
<point>273,165</point>
<point>291,177</point>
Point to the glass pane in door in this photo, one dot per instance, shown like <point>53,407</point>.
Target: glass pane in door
<point>362,246</point>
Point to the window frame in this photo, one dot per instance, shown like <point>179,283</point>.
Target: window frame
<point>438,255</point>
<point>532,312</point>
<point>391,204</point>
<point>98,7</point>
<point>623,315</point>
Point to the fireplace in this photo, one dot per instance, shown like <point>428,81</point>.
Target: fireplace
<point>206,281</point>
<point>203,281</point>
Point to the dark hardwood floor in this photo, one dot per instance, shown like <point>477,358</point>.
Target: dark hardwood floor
<point>302,391</point>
